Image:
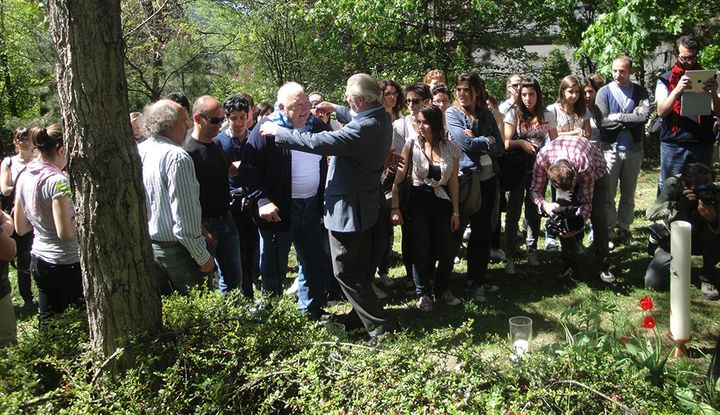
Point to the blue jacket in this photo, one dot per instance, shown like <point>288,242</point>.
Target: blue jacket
<point>488,141</point>
<point>266,173</point>
<point>353,192</point>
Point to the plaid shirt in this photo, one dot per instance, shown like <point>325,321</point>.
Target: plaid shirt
<point>587,160</point>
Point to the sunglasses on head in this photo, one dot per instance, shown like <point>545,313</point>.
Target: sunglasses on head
<point>212,120</point>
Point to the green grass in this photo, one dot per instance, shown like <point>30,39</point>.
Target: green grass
<point>472,331</point>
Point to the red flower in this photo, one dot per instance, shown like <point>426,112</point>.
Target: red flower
<point>649,322</point>
<point>646,303</point>
<point>624,339</point>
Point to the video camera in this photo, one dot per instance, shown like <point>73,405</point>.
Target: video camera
<point>566,218</point>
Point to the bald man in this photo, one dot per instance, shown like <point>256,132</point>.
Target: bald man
<point>212,168</point>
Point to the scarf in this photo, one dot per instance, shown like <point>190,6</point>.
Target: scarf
<point>676,73</point>
<point>279,118</point>
<point>43,171</point>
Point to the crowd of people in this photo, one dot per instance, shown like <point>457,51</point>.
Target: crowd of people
<point>231,185</point>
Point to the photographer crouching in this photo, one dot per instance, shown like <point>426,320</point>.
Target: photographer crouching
<point>579,173</point>
<point>690,196</point>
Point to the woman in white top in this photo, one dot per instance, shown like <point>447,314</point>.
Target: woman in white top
<point>44,203</point>
<point>527,126</point>
<point>10,170</point>
<point>432,208</point>
<point>571,114</point>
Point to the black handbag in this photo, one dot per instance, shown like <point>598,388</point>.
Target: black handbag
<point>406,184</point>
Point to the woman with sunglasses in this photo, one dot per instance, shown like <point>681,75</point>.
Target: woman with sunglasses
<point>527,126</point>
<point>405,129</point>
<point>473,127</point>
<point>10,170</point>
<point>44,203</point>
<point>393,99</point>
<point>432,209</point>
<point>590,88</point>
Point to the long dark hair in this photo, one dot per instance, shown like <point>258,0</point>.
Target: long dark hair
<point>434,117</point>
<point>478,86</point>
<point>400,102</point>
<point>523,115</point>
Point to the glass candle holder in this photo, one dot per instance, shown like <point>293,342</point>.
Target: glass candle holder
<point>521,333</point>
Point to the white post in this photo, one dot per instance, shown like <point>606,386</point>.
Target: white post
<point>680,249</point>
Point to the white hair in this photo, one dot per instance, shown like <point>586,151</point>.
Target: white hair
<point>289,90</point>
<point>365,86</point>
<point>159,117</point>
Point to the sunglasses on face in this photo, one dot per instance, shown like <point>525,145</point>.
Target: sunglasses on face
<point>212,120</point>
<point>413,101</point>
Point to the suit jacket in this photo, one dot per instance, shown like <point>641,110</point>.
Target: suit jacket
<point>353,192</point>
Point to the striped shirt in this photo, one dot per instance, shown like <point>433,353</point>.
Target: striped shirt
<point>588,162</point>
<point>172,196</point>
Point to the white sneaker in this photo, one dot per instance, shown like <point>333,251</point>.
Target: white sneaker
<point>293,289</point>
<point>497,255</point>
<point>533,259</point>
<point>510,267</point>
<point>490,289</point>
<point>381,295</point>
<point>466,234</point>
<point>551,245</point>
<point>386,280</point>
<point>607,276</point>
<point>456,260</point>
<point>448,298</point>
<point>425,303</point>
<point>480,294</point>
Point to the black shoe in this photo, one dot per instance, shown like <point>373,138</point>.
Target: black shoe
<point>568,272</point>
<point>318,314</point>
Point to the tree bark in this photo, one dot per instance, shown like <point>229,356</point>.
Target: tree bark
<point>105,174</point>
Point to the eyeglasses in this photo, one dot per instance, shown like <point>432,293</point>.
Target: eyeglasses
<point>516,86</point>
<point>390,94</point>
<point>439,102</point>
<point>413,101</point>
<point>212,120</point>
<point>687,58</point>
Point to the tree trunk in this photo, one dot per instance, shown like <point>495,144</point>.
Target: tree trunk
<point>105,174</point>
<point>5,68</point>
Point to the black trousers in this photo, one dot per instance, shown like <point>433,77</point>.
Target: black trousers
<point>59,286</point>
<point>22,264</point>
<point>249,251</point>
<point>353,272</point>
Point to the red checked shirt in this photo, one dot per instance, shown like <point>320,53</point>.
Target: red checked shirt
<point>587,160</point>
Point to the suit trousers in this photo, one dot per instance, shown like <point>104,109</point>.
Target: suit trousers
<point>353,272</point>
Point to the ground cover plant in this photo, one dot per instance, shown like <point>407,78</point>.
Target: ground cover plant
<point>598,348</point>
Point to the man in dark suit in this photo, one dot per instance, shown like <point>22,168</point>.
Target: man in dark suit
<point>353,192</point>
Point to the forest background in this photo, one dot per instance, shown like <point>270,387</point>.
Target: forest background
<point>223,47</point>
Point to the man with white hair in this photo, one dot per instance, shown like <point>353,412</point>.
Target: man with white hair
<point>172,198</point>
<point>353,193</point>
<point>288,186</point>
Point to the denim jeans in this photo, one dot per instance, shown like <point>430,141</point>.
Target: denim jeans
<point>306,235</point>
<point>478,249</point>
<point>177,270</point>
<point>227,251</point>
<point>59,286</point>
<point>623,167</point>
<point>674,156</point>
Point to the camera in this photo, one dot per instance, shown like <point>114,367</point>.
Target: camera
<point>566,219</point>
<point>708,194</point>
